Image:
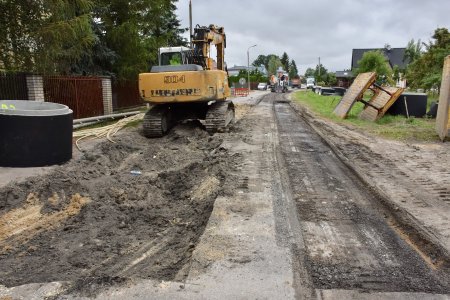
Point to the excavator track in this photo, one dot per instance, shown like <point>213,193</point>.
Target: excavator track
<point>219,115</point>
<point>157,121</point>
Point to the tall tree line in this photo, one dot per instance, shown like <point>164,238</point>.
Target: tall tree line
<point>102,37</point>
<point>272,62</point>
<point>425,68</point>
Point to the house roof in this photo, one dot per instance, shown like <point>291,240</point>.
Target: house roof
<point>344,74</point>
<point>237,68</point>
<point>394,55</point>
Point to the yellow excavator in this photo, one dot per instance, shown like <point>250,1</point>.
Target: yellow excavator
<point>188,84</point>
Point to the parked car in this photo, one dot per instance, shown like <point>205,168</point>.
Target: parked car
<point>262,86</point>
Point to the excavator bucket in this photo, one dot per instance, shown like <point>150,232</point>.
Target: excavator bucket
<point>377,106</point>
<point>443,113</point>
<point>362,82</point>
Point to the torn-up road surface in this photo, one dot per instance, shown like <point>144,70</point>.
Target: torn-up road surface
<point>264,211</point>
<point>413,179</point>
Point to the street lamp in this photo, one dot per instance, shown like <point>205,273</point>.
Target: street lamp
<point>248,66</point>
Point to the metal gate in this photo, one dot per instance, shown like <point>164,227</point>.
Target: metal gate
<point>126,94</point>
<point>81,94</point>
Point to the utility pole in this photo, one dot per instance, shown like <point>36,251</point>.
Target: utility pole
<point>248,66</point>
<point>319,69</point>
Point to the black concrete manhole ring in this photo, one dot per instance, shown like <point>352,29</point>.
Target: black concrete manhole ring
<point>34,134</point>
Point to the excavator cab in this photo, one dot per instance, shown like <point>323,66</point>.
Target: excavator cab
<point>172,56</point>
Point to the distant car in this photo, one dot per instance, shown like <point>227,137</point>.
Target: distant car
<point>262,86</point>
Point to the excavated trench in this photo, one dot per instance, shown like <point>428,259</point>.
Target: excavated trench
<point>93,220</point>
<point>350,242</point>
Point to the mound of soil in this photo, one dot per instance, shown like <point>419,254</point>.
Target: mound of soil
<point>94,218</point>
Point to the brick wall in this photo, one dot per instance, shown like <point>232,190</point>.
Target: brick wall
<point>35,85</point>
<point>107,96</point>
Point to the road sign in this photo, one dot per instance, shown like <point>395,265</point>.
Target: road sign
<point>242,81</point>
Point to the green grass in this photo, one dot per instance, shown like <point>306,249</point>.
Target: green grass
<point>133,124</point>
<point>391,127</point>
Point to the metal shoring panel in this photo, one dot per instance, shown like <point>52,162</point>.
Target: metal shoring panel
<point>380,103</point>
<point>362,82</point>
<point>443,113</point>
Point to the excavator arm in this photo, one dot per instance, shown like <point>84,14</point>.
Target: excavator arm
<point>202,40</point>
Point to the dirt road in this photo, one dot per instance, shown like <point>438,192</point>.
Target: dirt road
<point>266,210</point>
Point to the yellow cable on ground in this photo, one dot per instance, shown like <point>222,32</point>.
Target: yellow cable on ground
<point>105,131</point>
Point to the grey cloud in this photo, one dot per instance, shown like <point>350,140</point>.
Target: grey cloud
<point>309,29</point>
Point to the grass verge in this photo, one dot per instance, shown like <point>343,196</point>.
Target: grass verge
<point>391,127</point>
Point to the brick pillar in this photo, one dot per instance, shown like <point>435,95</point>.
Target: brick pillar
<point>35,85</point>
<point>107,96</point>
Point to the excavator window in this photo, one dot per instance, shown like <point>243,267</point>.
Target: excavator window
<point>171,58</point>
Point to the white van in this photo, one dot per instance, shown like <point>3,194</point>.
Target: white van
<point>310,82</point>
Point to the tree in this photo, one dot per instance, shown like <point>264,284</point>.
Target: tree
<point>65,36</point>
<point>274,64</point>
<point>285,61</point>
<point>413,51</point>
<point>135,30</point>
<point>86,36</point>
<point>320,73</point>
<point>263,60</point>
<point>309,72</point>
<point>101,58</point>
<point>19,21</point>
<point>375,61</point>
<point>260,60</point>
<point>331,79</point>
<point>293,71</point>
<point>45,36</point>
<point>426,71</point>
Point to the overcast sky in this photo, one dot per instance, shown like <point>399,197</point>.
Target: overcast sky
<point>306,30</point>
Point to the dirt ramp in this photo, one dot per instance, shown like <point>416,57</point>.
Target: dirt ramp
<point>92,218</point>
